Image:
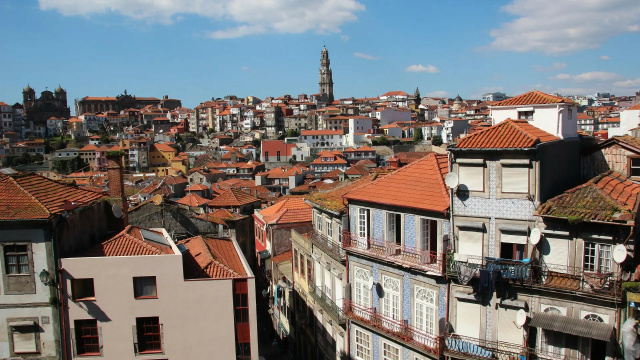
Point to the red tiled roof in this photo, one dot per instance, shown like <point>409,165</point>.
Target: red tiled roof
<point>192,200</point>
<point>232,198</point>
<point>395,93</point>
<point>291,209</point>
<point>634,107</point>
<point>332,174</point>
<point>163,147</point>
<point>419,185</point>
<point>211,258</point>
<point>608,197</point>
<point>322,132</point>
<point>197,187</point>
<point>509,134</point>
<point>534,97</point>
<point>282,257</point>
<point>130,242</point>
<point>31,196</point>
<point>219,216</point>
<point>333,199</point>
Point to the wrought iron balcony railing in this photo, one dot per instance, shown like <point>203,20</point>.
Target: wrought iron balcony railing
<point>540,274</point>
<point>408,256</point>
<point>398,329</point>
<point>327,304</point>
<point>473,348</point>
<point>326,244</point>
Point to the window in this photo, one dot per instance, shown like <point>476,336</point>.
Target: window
<point>515,179</point>
<point>424,313</point>
<point>552,343</point>
<point>266,156</point>
<point>310,271</point>
<point>16,259</point>
<point>149,334</point>
<point>329,229</point>
<point>328,282</point>
<point>362,287</point>
<point>23,336</point>
<point>634,167</point>
<point>390,352</point>
<point>391,300</point>
<point>597,257</point>
<point>145,287</point>
<point>593,317</point>
<point>394,228</point>
<point>363,222</point>
<point>428,236</point>
<point>295,259</point>
<point>241,316</point>
<point>525,115</point>
<point>363,345</point>
<point>472,177</point>
<point>278,156</point>
<point>302,266</point>
<point>470,242</point>
<point>87,337</point>
<point>512,251</point>
<point>82,289</point>
<point>319,223</point>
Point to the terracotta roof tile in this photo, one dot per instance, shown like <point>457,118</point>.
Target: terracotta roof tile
<point>291,209</point>
<point>232,198</point>
<point>333,199</point>
<point>419,185</point>
<point>282,257</point>
<point>534,97</point>
<point>509,134</point>
<point>211,258</point>
<point>31,196</point>
<point>192,200</point>
<point>607,197</point>
<point>130,242</point>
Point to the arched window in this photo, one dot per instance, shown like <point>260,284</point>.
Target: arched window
<point>593,317</point>
<point>553,310</point>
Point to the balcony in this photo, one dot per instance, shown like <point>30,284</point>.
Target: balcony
<point>464,347</point>
<point>327,245</point>
<point>328,305</point>
<point>396,329</point>
<point>539,274</point>
<point>407,256</point>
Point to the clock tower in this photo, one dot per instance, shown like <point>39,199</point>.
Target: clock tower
<point>326,79</point>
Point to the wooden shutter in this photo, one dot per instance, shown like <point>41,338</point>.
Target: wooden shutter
<point>470,242</point>
<point>24,339</point>
<point>468,319</point>
<point>515,179</point>
<point>513,237</point>
<point>555,250</point>
<point>472,176</point>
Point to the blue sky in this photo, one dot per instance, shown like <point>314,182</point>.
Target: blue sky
<point>197,49</point>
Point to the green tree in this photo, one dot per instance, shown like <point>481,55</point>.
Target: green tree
<point>293,133</point>
<point>436,140</point>
<point>417,135</point>
<point>382,141</point>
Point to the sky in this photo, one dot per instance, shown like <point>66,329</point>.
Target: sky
<point>195,50</point>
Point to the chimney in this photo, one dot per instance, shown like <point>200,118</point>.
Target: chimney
<point>234,157</point>
<point>116,185</point>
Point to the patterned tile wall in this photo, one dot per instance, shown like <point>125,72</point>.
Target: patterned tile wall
<point>406,297</point>
<point>352,218</point>
<point>376,279</point>
<point>409,230</point>
<point>442,302</point>
<point>377,224</point>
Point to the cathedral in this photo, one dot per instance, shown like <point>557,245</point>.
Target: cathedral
<point>50,104</point>
<point>326,79</point>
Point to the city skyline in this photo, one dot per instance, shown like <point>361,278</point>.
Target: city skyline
<point>194,50</point>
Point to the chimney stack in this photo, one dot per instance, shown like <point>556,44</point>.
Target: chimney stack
<point>116,185</point>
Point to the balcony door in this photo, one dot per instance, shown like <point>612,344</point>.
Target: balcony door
<point>391,303</point>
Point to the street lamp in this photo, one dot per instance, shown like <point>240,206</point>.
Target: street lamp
<point>46,279</point>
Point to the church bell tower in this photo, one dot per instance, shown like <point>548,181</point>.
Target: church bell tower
<point>326,79</point>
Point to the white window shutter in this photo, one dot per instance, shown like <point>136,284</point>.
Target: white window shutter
<point>515,179</point>
<point>24,339</point>
<point>468,319</point>
<point>513,237</point>
<point>472,177</point>
<point>555,250</point>
<point>470,242</point>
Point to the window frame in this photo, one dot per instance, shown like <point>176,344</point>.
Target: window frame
<point>514,166</point>
<point>141,334</point>
<point>15,254</point>
<point>462,181</point>
<point>77,337</point>
<point>429,319</point>
<point>391,303</point>
<point>631,166</point>
<point>362,341</point>
<point>14,328</point>
<point>598,250</point>
<point>387,344</point>
<point>75,283</point>
<point>135,287</point>
<point>362,292</point>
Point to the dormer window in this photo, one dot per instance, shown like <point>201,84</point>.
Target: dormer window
<point>525,114</point>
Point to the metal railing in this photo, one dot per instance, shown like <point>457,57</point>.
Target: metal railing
<point>482,349</point>
<point>404,255</point>
<point>328,304</point>
<point>398,329</point>
<point>540,274</point>
<point>326,244</point>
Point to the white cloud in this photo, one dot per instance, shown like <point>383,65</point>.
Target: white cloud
<point>421,68</point>
<point>365,56</point>
<point>344,37</point>
<point>566,26</point>
<point>629,83</point>
<point>554,67</point>
<point>437,93</point>
<point>604,57</point>
<point>599,76</point>
<point>249,17</point>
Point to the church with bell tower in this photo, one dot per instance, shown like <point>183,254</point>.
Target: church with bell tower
<point>326,79</point>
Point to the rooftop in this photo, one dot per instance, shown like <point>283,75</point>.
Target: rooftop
<point>509,134</point>
<point>211,258</point>
<point>133,241</point>
<point>534,97</point>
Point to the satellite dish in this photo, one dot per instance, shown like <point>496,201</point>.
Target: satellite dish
<point>157,199</point>
<point>117,211</point>
<point>521,317</point>
<point>534,237</point>
<point>619,253</point>
<point>451,180</point>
